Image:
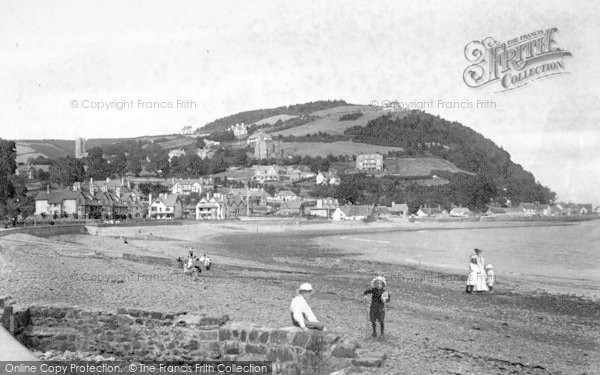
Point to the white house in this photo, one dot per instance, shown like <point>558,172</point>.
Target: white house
<point>239,130</point>
<point>352,212</point>
<point>165,206</point>
<point>325,207</point>
<point>258,136</point>
<point>211,144</point>
<point>431,211</point>
<point>189,186</point>
<point>176,153</point>
<point>60,202</point>
<point>286,195</point>
<point>399,209</point>
<point>264,173</point>
<point>461,212</point>
<point>212,209</point>
<point>369,162</point>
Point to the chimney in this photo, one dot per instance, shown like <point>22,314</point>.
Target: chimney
<point>149,199</point>
<point>91,180</point>
<point>107,179</point>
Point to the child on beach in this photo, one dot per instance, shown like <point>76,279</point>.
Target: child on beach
<point>205,260</point>
<point>490,277</point>
<point>379,297</point>
<point>472,277</point>
<point>302,314</point>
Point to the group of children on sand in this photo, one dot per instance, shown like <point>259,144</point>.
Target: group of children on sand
<point>481,276</point>
<point>194,265</point>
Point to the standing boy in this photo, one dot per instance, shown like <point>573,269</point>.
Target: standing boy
<point>379,297</point>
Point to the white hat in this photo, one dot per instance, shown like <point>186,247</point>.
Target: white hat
<point>378,278</point>
<point>489,267</point>
<point>306,287</point>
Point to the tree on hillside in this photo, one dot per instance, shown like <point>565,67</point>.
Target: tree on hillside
<point>8,166</point>
<point>147,188</point>
<point>65,171</point>
<point>420,133</point>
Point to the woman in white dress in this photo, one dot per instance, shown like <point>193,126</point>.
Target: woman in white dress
<point>481,282</point>
<point>472,276</point>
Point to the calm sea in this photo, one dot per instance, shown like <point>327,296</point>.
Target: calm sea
<point>563,259</point>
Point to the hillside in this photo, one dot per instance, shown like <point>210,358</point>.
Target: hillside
<point>329,121</point>
<point>334,148</point>
<point>273,120</point>
<point>58,148</point>
<point>422,134</point>
<point>250,117</point>
<point>407,167</point>
<point>417,145</point>
<point>51,148</point>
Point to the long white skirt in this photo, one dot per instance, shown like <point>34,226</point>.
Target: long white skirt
<point>481,282</point>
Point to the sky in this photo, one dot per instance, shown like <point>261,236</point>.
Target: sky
<point>63,60</point>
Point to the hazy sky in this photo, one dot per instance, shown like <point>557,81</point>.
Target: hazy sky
<point>230,56</point>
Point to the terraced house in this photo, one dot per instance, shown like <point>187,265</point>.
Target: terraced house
<point>67,203</point>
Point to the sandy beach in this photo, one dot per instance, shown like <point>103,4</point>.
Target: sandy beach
<point>432,325</point>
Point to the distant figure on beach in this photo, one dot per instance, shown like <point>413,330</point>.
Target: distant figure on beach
<point>472,276</point>
<point>490,277</point>
<point>192,264</point>
<point>205,259</point>
<point>302,315</point>
<point>197,265</point>
<point>379,297</point>
<point>480,285</point>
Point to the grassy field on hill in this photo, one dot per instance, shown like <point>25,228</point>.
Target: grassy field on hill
<point>406,167</point>
<point>273,119</point>
<point>334,148</point>
<point>49,148</point>
<point>177,143</point>
<point>329,122</point>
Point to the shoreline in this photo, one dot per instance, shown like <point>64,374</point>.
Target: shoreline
<point>432,325</point>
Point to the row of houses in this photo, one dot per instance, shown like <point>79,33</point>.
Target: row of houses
<point>533,209</point>
<point>89,205</point>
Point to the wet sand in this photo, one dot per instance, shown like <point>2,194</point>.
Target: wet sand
<point>432,325</point>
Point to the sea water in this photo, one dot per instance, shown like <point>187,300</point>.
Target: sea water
<point>562,259</point>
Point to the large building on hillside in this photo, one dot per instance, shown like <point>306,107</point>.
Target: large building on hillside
<point>369,162</point>
<point>80,148</point>
<point>240,131</point>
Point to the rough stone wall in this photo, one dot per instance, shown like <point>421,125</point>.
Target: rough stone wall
<point>132,334</point>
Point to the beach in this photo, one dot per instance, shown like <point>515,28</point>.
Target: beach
<point>432,326</point>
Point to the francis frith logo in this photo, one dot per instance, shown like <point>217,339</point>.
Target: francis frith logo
<point>514,63</point>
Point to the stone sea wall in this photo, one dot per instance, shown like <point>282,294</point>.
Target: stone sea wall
<point>46,230</point>
<point>132,334</point>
